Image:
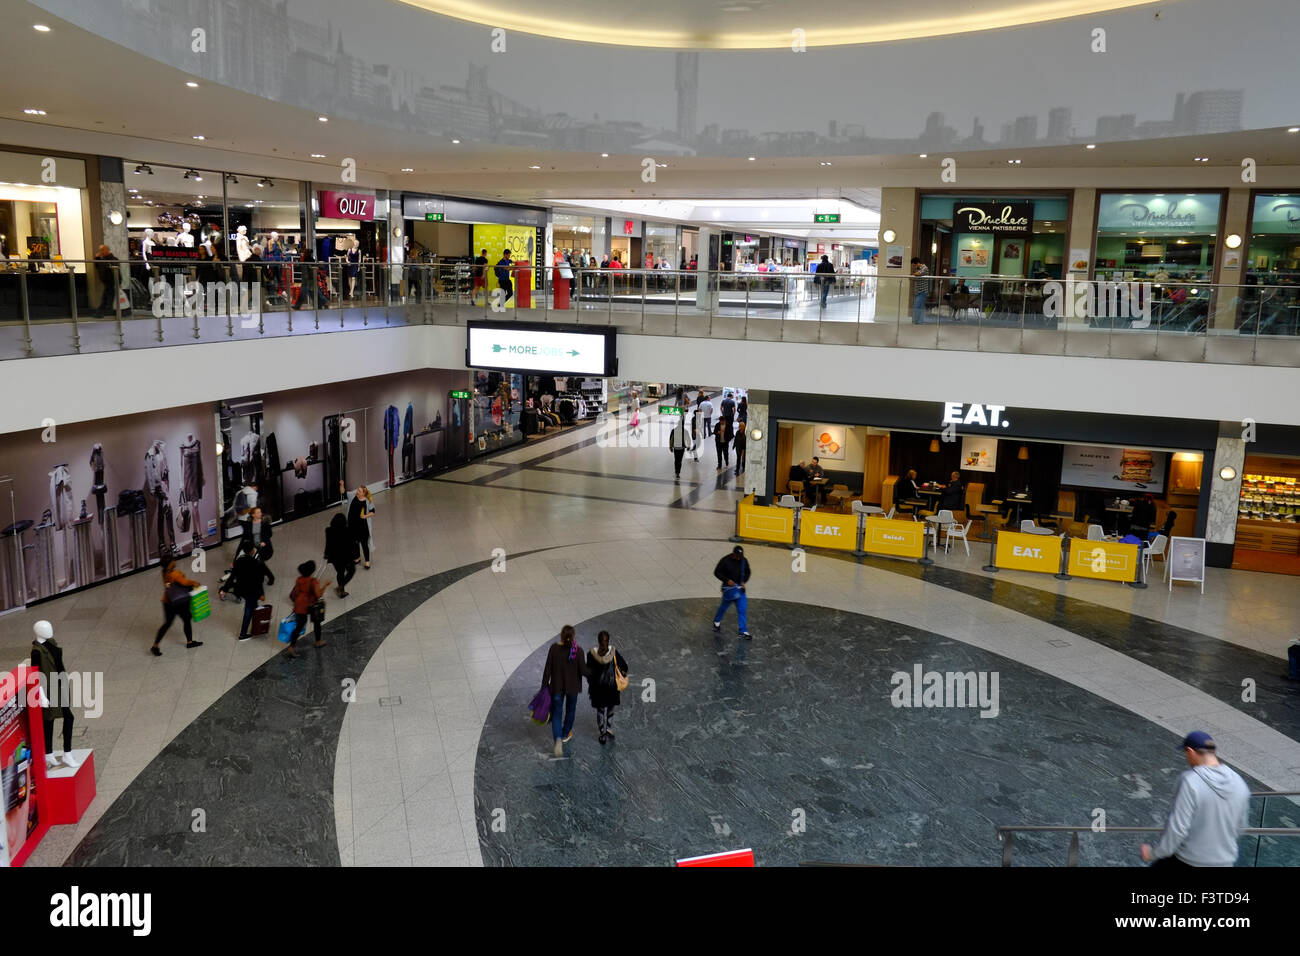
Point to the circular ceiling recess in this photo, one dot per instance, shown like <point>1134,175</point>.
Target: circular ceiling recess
<point>761,24</point>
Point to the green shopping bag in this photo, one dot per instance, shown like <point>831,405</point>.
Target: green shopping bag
<point>200,606</point>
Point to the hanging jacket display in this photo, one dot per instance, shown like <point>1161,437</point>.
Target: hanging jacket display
<point>98,489</point>
<point>392,432</point>
<point>61,509</point>
<point>408,441</point>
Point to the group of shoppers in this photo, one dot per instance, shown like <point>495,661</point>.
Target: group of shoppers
<point>349,541</point>
<point>728,431</point>
<point>604,669</point>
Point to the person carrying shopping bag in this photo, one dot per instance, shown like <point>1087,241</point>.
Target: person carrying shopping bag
<point>308,597</point>
<point>606,679</point>
<point>176,603</point>
<point>563,675</point>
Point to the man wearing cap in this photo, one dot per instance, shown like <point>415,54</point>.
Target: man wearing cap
<point>733,572</point>
<point>1208,814</point>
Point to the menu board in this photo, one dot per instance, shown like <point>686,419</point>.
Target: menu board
<point>1119,469</point>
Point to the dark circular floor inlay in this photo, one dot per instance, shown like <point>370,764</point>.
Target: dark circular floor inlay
<point>792,745</point>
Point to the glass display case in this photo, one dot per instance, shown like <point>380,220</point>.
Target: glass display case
<point>1269,498</point>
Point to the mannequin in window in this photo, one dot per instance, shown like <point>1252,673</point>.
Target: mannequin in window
<point>353,256</point>
<point>185,238</point>
<point>147,245</point>
<point>47,657</point>
<point>242,251</point>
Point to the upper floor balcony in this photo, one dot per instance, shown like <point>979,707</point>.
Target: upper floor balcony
<point>126,306</point>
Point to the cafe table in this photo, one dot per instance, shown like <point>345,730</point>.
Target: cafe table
<point>934,523</point>
<point>1018,503</point>
<point>819,486</point>
<point>1037,529</point>
<point>1118,511</point>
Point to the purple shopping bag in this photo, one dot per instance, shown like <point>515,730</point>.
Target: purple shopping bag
<point>540,708</point>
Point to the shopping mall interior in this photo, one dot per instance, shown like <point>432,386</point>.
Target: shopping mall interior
<point>980,378</point>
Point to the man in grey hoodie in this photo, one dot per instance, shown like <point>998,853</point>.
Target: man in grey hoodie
<point>1209,811</point>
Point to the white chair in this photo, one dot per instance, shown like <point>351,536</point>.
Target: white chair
<point>1096,532</point>
<point>891,512</point>
<point>1027,525</point>
<point>1157,547</point>
<point>957,531</point>
<point>789,501</point>
<point>943,518</point>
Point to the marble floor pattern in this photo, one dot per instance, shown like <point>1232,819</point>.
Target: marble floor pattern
<point>432,635</point>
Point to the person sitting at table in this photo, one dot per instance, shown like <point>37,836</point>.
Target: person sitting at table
<point>906,490</point>
<point>954,494</point>
<point>1143,517</point>
<point>799,472</point>
<point>815,470</point>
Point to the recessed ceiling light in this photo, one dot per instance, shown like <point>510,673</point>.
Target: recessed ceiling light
<point>317,155</point>
<point>1091,146</point>
<point>40,28</point>
<point>198,137</point>
<point>455,142</point>
<point>323,119</point>
<point>923,155</point>
<point>823,163</point>
<point>34,112</point>
<point>191,84</point>
<point>602,155</point>
<point>534,167</point>
<point>407,169</point>
<point>1293,129</point>
<point>751,158</point>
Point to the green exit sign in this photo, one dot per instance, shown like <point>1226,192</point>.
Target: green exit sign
<point>460,393</point>
<point>433,217</point>
<point>826,217</point>
<point>670,410</point>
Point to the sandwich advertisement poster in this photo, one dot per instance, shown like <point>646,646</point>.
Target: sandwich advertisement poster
<point>1120,469</point>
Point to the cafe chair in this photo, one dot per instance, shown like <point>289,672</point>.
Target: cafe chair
<point>1096,532</point>
<point>1027,525</point>
<point>796,489</point>
<point>946,520</point>
<point>892,509</point>
<point>1078,529</point>
<point>1157,547</point>
<point>789,501</point>
<point>837,495</point>
<point>1064,512</point>
<point>959,532</point>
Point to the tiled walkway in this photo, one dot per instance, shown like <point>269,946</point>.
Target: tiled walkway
<point>590,530</point>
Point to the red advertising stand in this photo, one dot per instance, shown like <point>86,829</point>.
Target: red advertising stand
<point>559,290</point>
<point>523,286</point>
<point>731,858</point>
<point>22,764</point>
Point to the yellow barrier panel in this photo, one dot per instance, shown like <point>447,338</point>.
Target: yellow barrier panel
<point>1106,560</point>
<point>822,530</point>
<point>900,539</point>
<point>764,522</point>
<point>1028,552</point>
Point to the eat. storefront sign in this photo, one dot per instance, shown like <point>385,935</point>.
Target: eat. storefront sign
<point>336,205</point>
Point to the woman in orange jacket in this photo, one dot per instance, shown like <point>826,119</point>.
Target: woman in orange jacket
<point>176,603</point>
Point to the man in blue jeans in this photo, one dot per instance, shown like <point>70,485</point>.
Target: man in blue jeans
<point>825,277</point>
<point>733,572</point>
<point>920,290</point>
<point>566,665</point>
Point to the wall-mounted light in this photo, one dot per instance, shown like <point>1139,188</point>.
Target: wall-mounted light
<point>1232,241</point>
<point>397,232</point>
<point>1227,473</point>
<point>889,235</point>
<point>756,434</point>
<point>934,248</point>
<point>115,217</point>
<point>220,449</point>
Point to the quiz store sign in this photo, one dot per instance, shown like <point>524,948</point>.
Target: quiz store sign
<point>337,205</point>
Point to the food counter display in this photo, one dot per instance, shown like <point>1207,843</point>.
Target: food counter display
<point>1268,512</point>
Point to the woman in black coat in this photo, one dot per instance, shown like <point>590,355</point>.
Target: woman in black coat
<point>341,551</point>
<point>604,695</point>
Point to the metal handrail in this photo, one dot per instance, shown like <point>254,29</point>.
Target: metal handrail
<point>861,310</point>
<point>1006,833</point>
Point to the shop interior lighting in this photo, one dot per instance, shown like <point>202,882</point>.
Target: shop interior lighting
<point>31,111</point>
<point>198,137</point>
<point>456,142</point>
<point>924,155</point>
<point>1013,162</point>
<point>323,119</point>
<point>1293,129</point>
<point>40,28</point>
<point>823,163</point>
<point>193,175</point>
<point>317,155</point>
<point>1091,146</point>
<point>264,182</point>
<point>1233,241</point>
<point>534,167</point>
<point>407,169</point>
<point>751,158</point>
<point>191,84</point>
<point>232,178</point>
<point>602,155</point>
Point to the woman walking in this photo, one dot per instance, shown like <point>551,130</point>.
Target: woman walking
<point>602,683</point>
<point>308,601</point>
<point>722,436</point>
<point>360,510</point>
<point>176,603</point>
<point>563,677</point>
<point>341,551</point>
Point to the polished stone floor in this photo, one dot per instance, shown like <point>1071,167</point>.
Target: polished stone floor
<point>439,644</point>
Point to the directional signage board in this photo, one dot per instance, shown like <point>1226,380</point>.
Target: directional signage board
<point>826,217</point>
<point>533,347</point>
